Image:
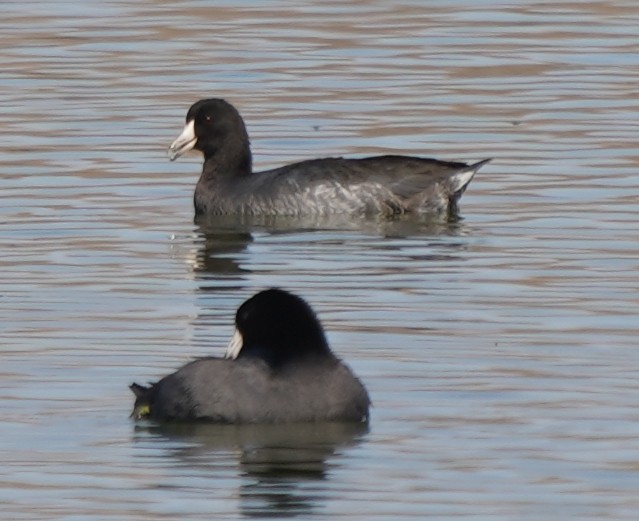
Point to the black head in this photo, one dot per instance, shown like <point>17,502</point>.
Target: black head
<point>214,127</point>
<point>278,327</point>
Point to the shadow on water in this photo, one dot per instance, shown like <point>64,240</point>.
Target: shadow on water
<point>226,256</point>
<point>277,464</point>
<point>217,251</point>
<point>375,225</point>
<point>221,239</point>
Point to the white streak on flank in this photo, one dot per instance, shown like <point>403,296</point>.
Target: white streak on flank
<point>184,142</point>
<point>235,346</point>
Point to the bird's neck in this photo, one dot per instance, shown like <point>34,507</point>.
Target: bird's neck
<point>232,160</point>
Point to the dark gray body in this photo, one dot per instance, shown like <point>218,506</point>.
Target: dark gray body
<point>248,390</point>
<point>386,185</point>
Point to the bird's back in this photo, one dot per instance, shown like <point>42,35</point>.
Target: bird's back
<point>387,185</point>
<point>249,391</point>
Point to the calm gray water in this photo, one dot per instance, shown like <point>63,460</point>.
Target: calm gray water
<point>500,352</point>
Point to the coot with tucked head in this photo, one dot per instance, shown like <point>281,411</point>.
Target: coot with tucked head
<point>278,369</point>
<point>387,185</point>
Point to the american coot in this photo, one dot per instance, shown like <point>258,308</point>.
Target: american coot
<point>279,369</point>
<point>387,185</point>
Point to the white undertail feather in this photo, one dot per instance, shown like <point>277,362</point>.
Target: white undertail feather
<point>462,178</point>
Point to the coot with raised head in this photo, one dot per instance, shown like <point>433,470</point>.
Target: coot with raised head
<point>387,185</point>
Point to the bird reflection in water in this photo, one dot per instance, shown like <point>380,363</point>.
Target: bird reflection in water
<point>280,468</point>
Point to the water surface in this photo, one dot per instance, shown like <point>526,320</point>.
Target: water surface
<point>499,351</point>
